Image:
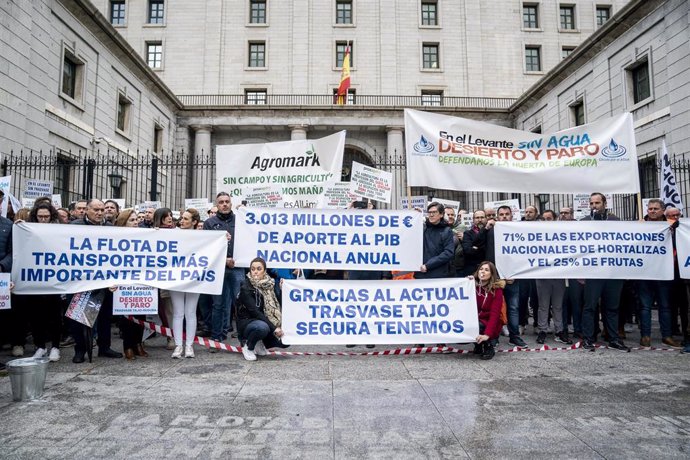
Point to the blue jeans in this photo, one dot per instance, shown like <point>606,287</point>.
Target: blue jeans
<point>256,330</point>
<point>512,295</point>
<point>648,290</point>
<point>609,291</point>
<point>221,312</point>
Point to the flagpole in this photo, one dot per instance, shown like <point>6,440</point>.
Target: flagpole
<point>639,206</point>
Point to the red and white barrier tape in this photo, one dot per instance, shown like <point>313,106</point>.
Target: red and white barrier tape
<point>166,331</point>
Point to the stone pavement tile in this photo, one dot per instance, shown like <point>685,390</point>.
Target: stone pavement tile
<point>647,387</point>
<point>193,389</point>
<point>83,386</point>
<point>514,432</point>
<point>368,368</point>
<point>274,397</point>
<point>503,366</point>
<point>45,423</point>
<point>470,395</point>
<point>566,390</point>
<point>389,419</point>
<point>446,366</point>
<point>633,436</point>
<point>287,367</point>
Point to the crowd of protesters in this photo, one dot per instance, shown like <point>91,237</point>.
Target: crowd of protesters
<point>565,307</point>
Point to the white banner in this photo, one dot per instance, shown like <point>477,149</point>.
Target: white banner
<point>5,297</point>
<point>670,193</point>
<point>585,249</point>
<point>418,202</point>
<point>513,204</point>
<point>301,168</point>
<point>371,183</point>
<point>37,188</point>
<point>264,197</point>
<point>337,196</point>
<point>447,203</point>
<point>683,247</point>
<point>200,204</point>
<point>350,239</point>
<point>321,312</point>
<point>56,259</point>
<point>460,154</point>
<point>135,300</point>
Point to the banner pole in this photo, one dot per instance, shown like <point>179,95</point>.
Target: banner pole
<point>639,206</point>
<point>409,197</point>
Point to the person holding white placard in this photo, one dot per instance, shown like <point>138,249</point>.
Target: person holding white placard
<point>184,303</point>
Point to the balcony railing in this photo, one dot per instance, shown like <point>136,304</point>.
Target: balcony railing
<point>192,101</point>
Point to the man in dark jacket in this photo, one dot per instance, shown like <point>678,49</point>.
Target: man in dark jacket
<point>474,243</point>
<point>439,248</point>
<point>221,311</point>
<point>94,217</point>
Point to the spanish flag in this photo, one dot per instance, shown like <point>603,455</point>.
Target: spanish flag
<point>344,78</point>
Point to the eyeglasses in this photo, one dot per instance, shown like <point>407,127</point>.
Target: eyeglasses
<point>432,212</point>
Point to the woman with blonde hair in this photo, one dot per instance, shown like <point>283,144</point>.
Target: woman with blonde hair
<point>184,303</point>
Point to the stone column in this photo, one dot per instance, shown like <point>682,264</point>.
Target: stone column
<point>203,182</point>
<point>298,132</point>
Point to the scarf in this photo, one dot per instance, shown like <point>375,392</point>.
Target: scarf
<point>265,286</point>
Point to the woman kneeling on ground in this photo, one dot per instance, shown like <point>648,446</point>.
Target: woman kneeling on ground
<point>258,312</point>
<point>489,291</point>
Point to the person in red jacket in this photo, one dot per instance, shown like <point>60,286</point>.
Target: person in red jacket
<point>489,291</point>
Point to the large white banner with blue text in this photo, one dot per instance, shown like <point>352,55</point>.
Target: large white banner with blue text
<point>459,154</point>
<point>683,247</point>
<point>299,169</point>
<point>55,259</point>
<point>321,312</point>
<point>341,239</point>
<point>584,249</point>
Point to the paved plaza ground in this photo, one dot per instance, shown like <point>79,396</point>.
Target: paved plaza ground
<point>549,404</point>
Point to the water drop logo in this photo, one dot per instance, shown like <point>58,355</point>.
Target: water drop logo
<point>613,150</point>
<point>423,146</point>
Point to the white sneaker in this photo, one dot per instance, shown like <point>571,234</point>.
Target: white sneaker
<point>189,351</point>
<point>260,349</point>
<point>248,354</point>
<point>17,351</point>
<point>177,354</point>
<point>54,355</point>
<point>40,353</point>
<point>504,331</point>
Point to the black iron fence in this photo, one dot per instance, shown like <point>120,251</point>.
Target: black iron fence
<point>172,177</point>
